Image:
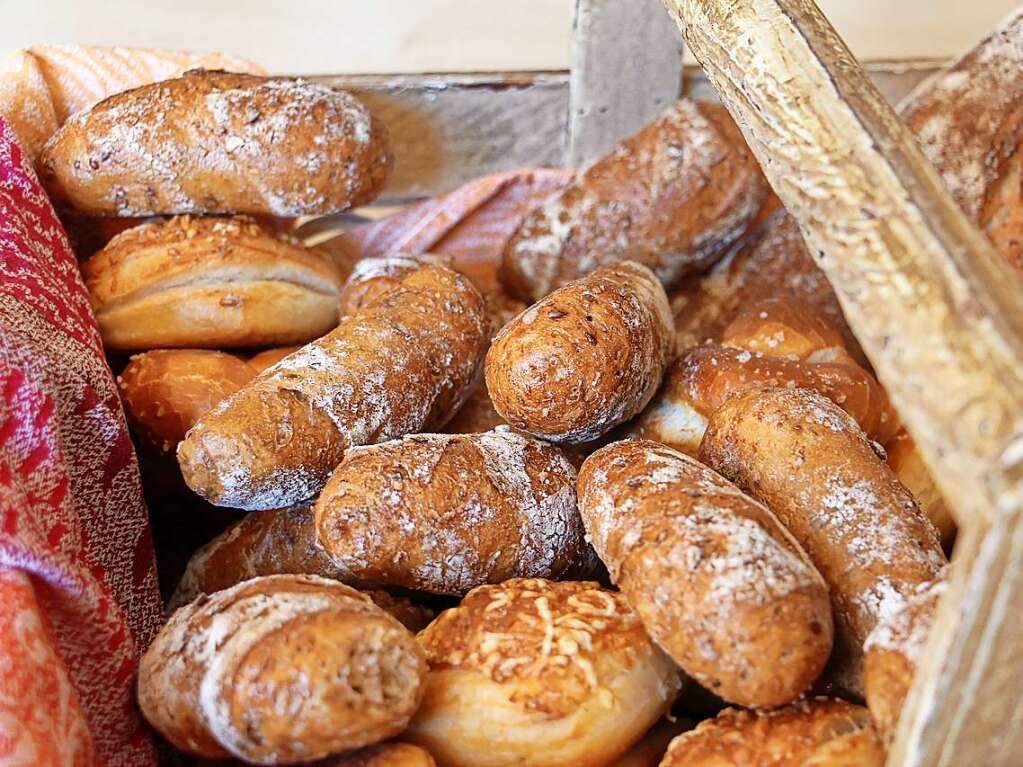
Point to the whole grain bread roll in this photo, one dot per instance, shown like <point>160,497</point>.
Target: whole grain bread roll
<point>217,142</point>
<point>807,460</point>
<point>672,197</point>
<point>401,365</point>
<point>372,277</point>
<point>166,391</point>
<point>280,670</point>
<point>719,584</point>
<point>584,359</point>
<point>811,733</point>
<point>541,673</point>
<point>445,513</point>
<point>210,283</point>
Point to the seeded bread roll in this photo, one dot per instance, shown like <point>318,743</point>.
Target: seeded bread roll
<point>401,365</point>
<point>811,733</point>
<point>892,653</point>
<point>372,277</point>
<point>672,197</point>
<point>807,460</point>
<point>584,359</point>
<point>216,142</point>
<point>445,513</point>
<point>166,391</point>
<point>280,670</point>
<point>540,673</point>
<point>210,283</point>
<point>719,584</point>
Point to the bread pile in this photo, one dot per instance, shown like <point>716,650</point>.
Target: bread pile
<point>648,480</point>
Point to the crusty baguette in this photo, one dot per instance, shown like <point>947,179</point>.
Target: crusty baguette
<point>808,461</point>
<point>166,391</point>
<point>811,733</point>
<point>445,513</point>
<point>892,652</point>
<point>584,359</point>
<point>719,584</point>
<point>672,197</point>
<point>279,670</point>
<point>401,365</point>
<point>216,142</point>
<point>210,283</point>
<point>540,673</point>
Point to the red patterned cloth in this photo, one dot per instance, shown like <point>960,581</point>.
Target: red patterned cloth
<point>78,593</point>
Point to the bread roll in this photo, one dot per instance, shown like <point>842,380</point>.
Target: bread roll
<point>811,733</point>
<point>540,673</point>
<point>719,584</point>
<point>445,513</point>
<point>372,277</point>
<point>908,465</point>
<point>165,392</point>
<point>401,365</point>
<point>280,670</point>
<point>892,653</point>
<point>584,359</point>
<point>649,751</point>
<point>672,197</point>
<point>216,142</point>
<point>384,755</point>
<point>270,357</point>
<point>806,459</point>
<point>209,283</point>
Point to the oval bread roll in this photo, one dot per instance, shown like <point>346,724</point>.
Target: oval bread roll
<point>540,673</point>
<point>210,283</point>
<point>584,359</point>
<point>811,733</point>
<point>807,460</point>
<point>673,197</point>
<point>166,391</point>
<point>217,142</point>
<point>445,513</point>
<point>401,365</point>
<point>719,584</point>
<point>279,670</point>
<point>374,276</point>
<point>892,653</point>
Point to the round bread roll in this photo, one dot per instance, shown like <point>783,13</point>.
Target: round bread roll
<point>270,357</point>
<point>540,673</point>
<point>719,584</point>
<point>217,142</point>
<point>280,670</point>
<point>445,513</point>
<point>209,283</point>
<point>811,733</point>
<point>166,391</point>
<point>584,359</point>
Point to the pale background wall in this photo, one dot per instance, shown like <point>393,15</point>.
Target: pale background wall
<point>357,36</point>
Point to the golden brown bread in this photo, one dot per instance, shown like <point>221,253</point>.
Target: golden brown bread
<point>210,283</point>
<point>719,584</point>
<point>584,359</point>
<point>445,513</point>
<point>807,460</point>
<point>811,733</point>
<point>649,751</point>
<point>269,357</point>
<point>279,670</point>
<point>909,467</point>
<point>166,391</point>
<point>374,276</point>
<point>892,652</point>
<point>383,755</point>
<point>540,673</point>
<point>216,142</point>
<point>672,197</point>
<point>401,365</point>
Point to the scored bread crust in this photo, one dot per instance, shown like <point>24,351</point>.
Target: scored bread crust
<point>445,513</point>
<point>719,584</point>
<point>210,283</point>
<point>279,670</point>
<point>584,359</point>
<point>401,365</point>
<point>673,197</point>
<point>811,733</point>
<point>551,674</point>
<point>218,142</point>
<point>807,460</point>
